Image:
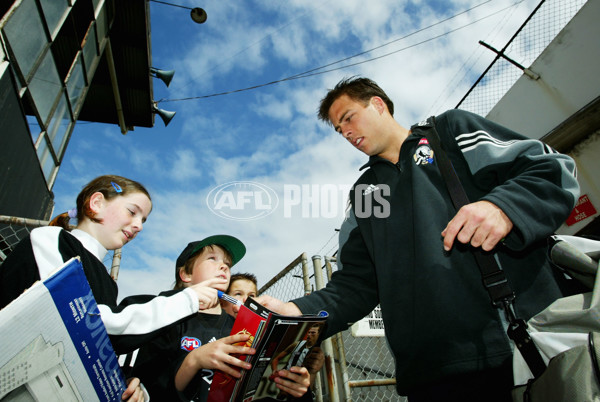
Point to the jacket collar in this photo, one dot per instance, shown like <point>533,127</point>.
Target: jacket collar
<point>378,159</point>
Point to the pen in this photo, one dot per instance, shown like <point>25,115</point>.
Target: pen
<point>230,299</point>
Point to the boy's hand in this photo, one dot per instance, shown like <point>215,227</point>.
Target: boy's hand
<point>294,381</point>
<point>218,354</point>
<point>214,355</point>
<point>206,292</point>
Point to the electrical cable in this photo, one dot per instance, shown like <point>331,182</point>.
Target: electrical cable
<point>312,72</point>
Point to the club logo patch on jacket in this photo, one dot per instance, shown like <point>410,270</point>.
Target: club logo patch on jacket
<point>190,343</point>
<point>424,154</point>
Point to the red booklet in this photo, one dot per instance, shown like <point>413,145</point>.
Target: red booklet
<point>280,342</point>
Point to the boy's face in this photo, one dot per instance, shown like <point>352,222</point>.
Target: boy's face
<point>241,289</point>
<point>213,262</point>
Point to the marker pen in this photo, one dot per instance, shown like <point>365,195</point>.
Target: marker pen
<point>224,296</point>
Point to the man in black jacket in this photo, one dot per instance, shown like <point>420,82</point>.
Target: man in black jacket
<point>405,247</point>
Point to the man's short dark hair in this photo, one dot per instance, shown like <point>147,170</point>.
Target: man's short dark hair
<point>359,89</point>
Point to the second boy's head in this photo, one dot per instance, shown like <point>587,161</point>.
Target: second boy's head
<point>241,286</point>
<point>208,258</point>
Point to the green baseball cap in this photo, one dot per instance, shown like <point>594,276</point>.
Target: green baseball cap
<point>234,247</point>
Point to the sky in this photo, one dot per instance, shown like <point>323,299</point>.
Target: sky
<point>258,164</point>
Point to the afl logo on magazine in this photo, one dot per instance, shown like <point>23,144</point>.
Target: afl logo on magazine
<point>189,343</point>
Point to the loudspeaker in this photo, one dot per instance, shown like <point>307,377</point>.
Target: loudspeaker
<point>165,115</point>
<point>165,76</point>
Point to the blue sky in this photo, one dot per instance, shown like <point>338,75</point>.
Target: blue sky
<point>270,136</point>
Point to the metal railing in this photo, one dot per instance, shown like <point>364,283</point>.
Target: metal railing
<point>13,229</point>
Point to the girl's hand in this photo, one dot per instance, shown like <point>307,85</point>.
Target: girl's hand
<point>294,381</point>
<point>134,392</point>
<point>206,292</point>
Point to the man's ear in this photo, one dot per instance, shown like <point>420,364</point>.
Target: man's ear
<point>379,104</point>
<point>97,201</point>
<point>184,276</point>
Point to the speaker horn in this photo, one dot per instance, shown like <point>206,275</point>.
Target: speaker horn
<point>165,115</point>
<point>165,75</point>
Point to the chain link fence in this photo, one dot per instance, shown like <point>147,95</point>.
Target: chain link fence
<point>523,48</point>
<point>357,368</point>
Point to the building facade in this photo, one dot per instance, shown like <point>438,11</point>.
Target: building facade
<point>63,61</point>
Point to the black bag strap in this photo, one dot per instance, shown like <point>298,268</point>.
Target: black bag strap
<point>494,278</point>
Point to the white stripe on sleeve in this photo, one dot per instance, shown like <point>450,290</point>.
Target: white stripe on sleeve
<point>44,242</point>
<point>138,319</point>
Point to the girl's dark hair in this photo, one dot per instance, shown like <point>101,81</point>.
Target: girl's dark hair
<point>359,89</point>
<point>110,186</point>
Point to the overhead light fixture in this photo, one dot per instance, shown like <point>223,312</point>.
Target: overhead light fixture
<point>198,14</point>
<point>165,75</point>
<point>165,115</point>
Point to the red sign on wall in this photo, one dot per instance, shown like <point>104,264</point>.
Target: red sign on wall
<point>583,209</point>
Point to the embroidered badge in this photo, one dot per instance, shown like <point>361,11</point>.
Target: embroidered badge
<point>424,154</point>
<point>190,343</point>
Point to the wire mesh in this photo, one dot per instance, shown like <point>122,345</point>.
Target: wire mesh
<point>368,359</point>
<point>524,48</point>
<point>14,229</point>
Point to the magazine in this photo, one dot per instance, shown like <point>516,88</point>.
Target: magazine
<point>280,342</point>
<point>54,345</point>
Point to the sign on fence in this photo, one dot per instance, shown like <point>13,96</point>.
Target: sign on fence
<point>371,325</point>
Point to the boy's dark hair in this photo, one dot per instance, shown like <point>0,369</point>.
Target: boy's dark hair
<point>359,89</point>
<point>243,275</point>
<point>188,267</point>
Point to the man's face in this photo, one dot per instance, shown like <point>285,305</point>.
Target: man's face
<point>358,123</point>
<point>312,335</point>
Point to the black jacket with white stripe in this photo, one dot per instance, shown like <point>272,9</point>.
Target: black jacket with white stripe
<point>437,315</point>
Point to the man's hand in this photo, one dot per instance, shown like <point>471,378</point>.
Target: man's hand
<point>278,306</point>
<point>481,223</point>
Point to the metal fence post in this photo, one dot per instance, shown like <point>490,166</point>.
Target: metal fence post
<point>116,264</point>
<point>318,385</point>
<point>340,342</point>
<point>327,346</point>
